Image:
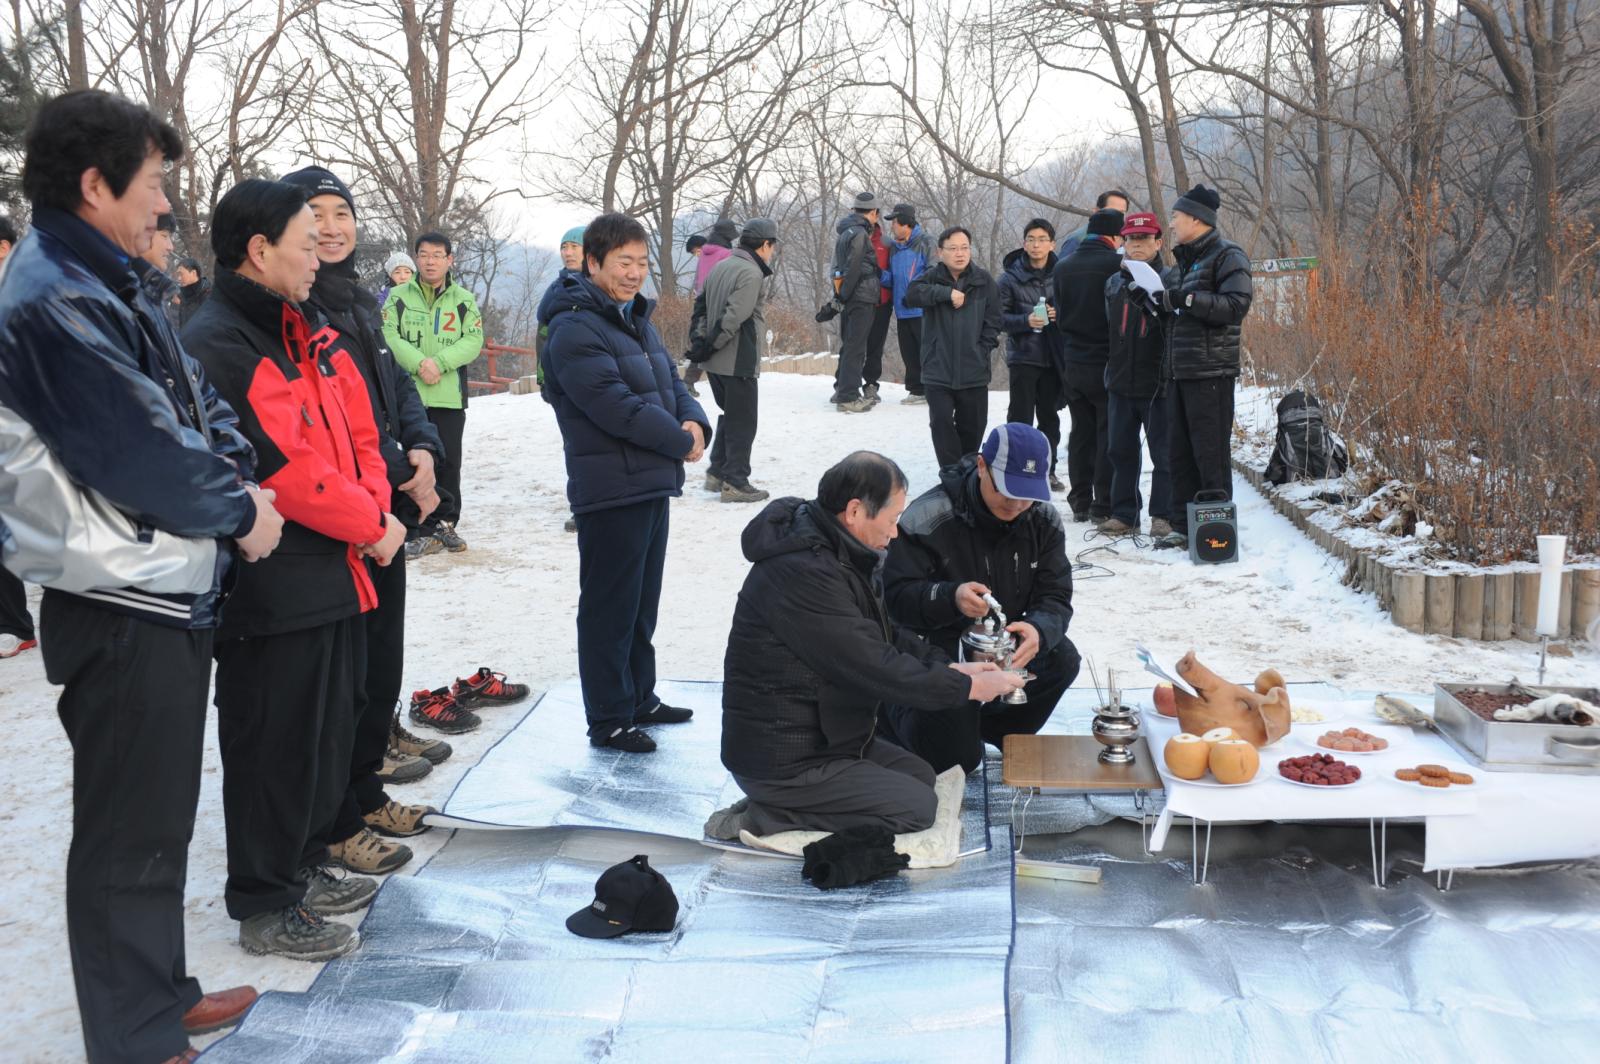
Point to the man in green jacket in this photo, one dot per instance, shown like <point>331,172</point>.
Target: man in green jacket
<point>432,325</point>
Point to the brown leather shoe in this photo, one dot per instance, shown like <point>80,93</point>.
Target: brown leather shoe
<point>216,1011</point>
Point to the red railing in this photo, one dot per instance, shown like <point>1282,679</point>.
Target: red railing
<point>492,353</point>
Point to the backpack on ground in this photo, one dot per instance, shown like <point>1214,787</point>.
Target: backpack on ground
<point>1306,449</point>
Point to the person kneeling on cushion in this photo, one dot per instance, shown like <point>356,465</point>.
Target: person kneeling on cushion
<point>812,655</point>
<point>979,533</point>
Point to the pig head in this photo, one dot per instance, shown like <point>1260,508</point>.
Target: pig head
<point>1260,719</point>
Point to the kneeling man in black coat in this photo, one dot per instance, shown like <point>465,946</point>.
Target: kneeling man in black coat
<point>813,654</point>
<point>979,532</point>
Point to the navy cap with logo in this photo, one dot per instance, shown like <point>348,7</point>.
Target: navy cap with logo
<point>630,896</point>
<point>1018,457</point>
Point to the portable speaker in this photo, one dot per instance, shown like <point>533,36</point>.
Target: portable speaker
<point>1213,529</point>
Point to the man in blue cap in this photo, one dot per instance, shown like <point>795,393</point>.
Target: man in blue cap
<point>980,533</point>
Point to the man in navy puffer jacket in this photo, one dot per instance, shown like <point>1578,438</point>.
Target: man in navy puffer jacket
<point>628,424</point>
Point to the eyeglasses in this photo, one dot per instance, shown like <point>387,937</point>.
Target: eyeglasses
<point>1037,240</point>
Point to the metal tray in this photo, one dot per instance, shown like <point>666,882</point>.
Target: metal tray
<point>1510,746</point>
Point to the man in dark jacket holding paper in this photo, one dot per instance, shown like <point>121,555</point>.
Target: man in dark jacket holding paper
<point>735,295</point>
<point>987,528</point>
<point>959,333</point>
<point>812,655</point>
<point>628,424</point>
<point>1133,387</point>
<point>1080,284</point>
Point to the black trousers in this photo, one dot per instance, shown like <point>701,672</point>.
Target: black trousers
<point>134,710</point>
<point>452,426</point>
<point>877,337</point>
<point>909,333</point>
<point>737,398</point>
<point>957,418</point>
<point>285,721</point>
<point>379,646</point>
<point>1127,415</point>
<point>855,330</point>
<point>956,736</point>
<point>1088,460</point>
<point>14,617</point>
<point>621,554</point>
<point>1036,400</point>
<point>884,786</point>
<point>1200,429</point>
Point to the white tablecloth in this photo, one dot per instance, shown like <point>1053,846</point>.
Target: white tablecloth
<point>1503,818</point>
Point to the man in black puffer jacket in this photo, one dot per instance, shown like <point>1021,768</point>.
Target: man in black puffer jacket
<point>1207,295</point>
<point>959,331</point>
<point>980,533</point>
<point>811,656</point>
<point>1080,284</point>
<point>1033,351</point>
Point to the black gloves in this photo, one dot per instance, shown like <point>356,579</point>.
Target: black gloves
<point>851,856</point>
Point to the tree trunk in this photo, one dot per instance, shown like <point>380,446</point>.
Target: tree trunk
<point>77,60</point>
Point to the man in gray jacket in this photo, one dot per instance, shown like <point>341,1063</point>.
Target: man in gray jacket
<point>857,292</point>
<point>737,332</point>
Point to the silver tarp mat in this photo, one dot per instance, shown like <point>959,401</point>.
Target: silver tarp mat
<point>470,960</point>
<point>544,773</point>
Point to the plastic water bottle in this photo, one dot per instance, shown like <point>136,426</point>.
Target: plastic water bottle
<point>1040,311</point>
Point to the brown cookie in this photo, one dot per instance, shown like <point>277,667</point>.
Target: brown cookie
<point>1434,770</point>
<point>1410,775</point>
<point>1435,781</point>
<point>1460,777</point>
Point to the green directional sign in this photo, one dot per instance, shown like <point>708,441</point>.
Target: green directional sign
<point>1308,262</point>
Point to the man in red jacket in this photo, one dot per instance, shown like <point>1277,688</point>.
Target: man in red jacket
<point>289,640</point>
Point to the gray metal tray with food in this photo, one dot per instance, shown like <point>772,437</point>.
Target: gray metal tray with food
<point>1517,746</point>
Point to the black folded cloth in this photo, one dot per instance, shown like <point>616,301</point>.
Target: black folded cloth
<point>854,855</point>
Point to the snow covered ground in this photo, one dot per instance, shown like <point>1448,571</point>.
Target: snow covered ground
<point>510,601</point>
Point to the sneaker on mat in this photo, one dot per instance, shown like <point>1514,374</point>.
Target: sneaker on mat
<point>1116,526</point>
<point>629,740</point>
<point>746,492</point>
<point>402,768</point>
<point>446,534</point>
<point>486,687</point>
<point>1055,483</point>
<point>661,713</point>
<point>402,742</point>
<point>1172,540</point>
<point>423,546</point>
<point>854,406</point>
<point>214,1011</point>
<point>297,932</point>
<point>337,894</point>
<point>12,645</point>
<point>438,710</point>
<point>367,852</point>
<point>713,482</point>
<point>1160,527</point>
<point>399,821</point>
<point>914,399</point>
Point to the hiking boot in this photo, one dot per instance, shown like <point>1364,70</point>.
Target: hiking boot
<point>1116,526</point>
<point>1172,540</point>
<point>433,751</point>
<point>1160,527</point>
<point>297,932</point>
<point>572,524</point>
<point>446,535</point>
<point>746,492</point>
<point>398,821</point>
<point>914,399</point>
<point>12,645</point>
<point>1080,516</point>
<point>331,894</point>
<point>438,710</point>
<point>854,406</point>
<point>661,713</point>
<point>402,768</point>
<point>630,740</point>
<point>222,1009</point>
<point>693,390</point>
<point>422,546</point>
<point>713,482</point>
<point>870,391</point>
<point>366,852</point>
<point>487,688</point>
<point>1055,483</point>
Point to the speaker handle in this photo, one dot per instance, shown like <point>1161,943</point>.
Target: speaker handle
<point>1211,493</point>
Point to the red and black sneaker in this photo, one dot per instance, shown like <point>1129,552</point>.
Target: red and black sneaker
<point>486,687</point>
<point>438,710</point>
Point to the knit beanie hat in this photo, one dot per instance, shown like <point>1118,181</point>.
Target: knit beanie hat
<point>320,181</point>
<point>397,260</point>
<point>1200,202</point>
<point>1105,222</point>
<point>574,235</point>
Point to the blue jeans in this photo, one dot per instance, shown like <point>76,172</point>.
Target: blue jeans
<point>621,552</point>
<point>1126,415</point>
